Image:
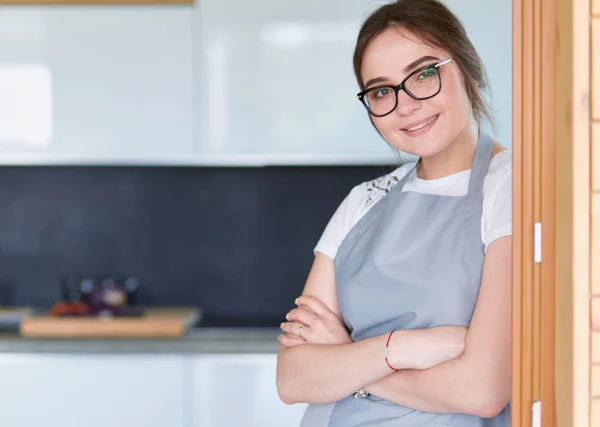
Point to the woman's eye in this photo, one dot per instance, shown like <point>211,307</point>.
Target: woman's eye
<point>430,72</point>
<point>380,93</point>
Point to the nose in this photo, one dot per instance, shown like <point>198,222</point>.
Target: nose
<point>406,104</point>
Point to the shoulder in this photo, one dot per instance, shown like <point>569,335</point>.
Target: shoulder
<point>368,192</point>
<point>496,220</point>
<point>499,175</point>
<point>356,203</point>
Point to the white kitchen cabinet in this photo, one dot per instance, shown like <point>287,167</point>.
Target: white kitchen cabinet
<point>95,84</point>
<point>240,390</point>
<point>218,82</point>
<point>60,390</point>
<point>274,80</point>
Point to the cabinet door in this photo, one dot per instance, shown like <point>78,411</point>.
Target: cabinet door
<point>240,390</point>
<point>88,85</point>
<point>273,80</point>
<point>93,391</point>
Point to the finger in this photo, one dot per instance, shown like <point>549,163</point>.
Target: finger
<point>293,328</point>
<point>314,303</point>
<point>302,315</point>
<point>293,313</point>
<point>307,308</point>
<point>290,340</point>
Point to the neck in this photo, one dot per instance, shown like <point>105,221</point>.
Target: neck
<point>456,157</point>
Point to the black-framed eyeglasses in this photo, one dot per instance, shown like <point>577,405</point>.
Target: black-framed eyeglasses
<point>421,84</point>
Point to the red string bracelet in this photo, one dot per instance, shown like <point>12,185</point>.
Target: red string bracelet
<point>387,344</point>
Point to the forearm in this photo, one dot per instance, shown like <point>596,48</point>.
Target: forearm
<point>439,389</point>
<point>317,373</point>
<point>456,386</point>
<point>479,381</point>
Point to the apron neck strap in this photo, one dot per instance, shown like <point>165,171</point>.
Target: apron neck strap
<point>479,168</point>
<point>481,162</point>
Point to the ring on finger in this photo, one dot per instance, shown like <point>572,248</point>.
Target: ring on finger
<point>300,330</point>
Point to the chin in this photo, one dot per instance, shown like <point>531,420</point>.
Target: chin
<point>425,147</point>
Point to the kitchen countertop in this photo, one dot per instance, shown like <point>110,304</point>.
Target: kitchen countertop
<point>200,340</point>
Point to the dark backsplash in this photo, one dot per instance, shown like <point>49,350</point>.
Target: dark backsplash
<point>235,241</point>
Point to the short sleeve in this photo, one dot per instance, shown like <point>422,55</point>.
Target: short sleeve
<point>340,223</point>
<point>497,209</point>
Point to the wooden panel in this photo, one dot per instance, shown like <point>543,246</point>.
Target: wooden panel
<point>596,155</point>
<point>534,164</point>
<point>573,216</point>
<point>596,347</point>
<point>595,413</point>
<point>522,352</point>
<point>518,377</point>
<point>596,313</point>
<point>596,381</point>
<point>595,244</point>
<point>595,49</point>
<point>547,283</point>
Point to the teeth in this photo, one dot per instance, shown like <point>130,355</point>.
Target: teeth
<point>422,125</point>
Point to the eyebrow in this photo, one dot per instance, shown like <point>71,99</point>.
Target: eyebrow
<point>408,68</point>
<point>419,61</point>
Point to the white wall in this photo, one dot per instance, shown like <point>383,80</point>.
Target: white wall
<point>221,82</point>
<point>489,25</point>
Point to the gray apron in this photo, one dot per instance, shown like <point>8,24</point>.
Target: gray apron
<point>412,261</point>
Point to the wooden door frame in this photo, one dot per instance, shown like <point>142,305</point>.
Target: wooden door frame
<point>573,176</point>
<point>551,176</point>
<point>533,84</point>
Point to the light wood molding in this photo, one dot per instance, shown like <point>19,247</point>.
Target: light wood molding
<point>546,296</point>
<point>595,413</point>
<point>596,381</point>
<point>595,52</point>
<point>546,281</point>
<point>596,347</point>
<point>573,215</point>
<point>595,313</point>
<point>596,155</point>
<point>595,248</point>
<point>534,164</point>
<point>521,366</point>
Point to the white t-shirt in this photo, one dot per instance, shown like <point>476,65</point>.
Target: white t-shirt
<point>496,218</point>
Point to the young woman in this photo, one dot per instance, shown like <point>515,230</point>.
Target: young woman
<point>405,318</point>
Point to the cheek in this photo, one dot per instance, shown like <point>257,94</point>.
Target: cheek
<point>454,96</point>
<point>454,103</point>
<point>386,125</point>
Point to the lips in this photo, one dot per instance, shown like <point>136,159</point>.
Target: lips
<point>420,124</point>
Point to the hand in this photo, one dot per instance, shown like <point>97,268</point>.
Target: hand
<point>426,348</point>
<point>321,326</point>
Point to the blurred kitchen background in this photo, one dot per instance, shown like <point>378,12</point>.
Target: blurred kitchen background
<point>177,157</point>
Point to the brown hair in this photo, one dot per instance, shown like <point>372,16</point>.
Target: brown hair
<point>438,26</point>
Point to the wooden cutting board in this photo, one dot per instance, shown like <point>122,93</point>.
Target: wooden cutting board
<point>155,323</point>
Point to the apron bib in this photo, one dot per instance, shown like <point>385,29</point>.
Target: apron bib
<point>412,261</point>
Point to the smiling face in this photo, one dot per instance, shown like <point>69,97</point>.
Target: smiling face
<point>420,127</point>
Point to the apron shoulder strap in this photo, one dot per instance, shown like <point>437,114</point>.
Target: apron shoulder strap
<point>481,162</point>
